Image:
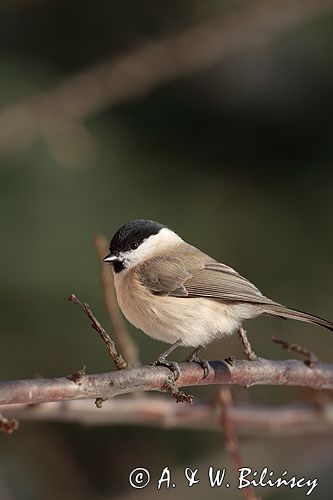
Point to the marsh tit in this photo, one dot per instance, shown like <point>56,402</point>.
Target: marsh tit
<point>173,292</point>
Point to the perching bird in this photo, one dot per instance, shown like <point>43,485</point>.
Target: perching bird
<point>175,293</point>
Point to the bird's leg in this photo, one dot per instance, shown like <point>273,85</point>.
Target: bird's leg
<point>194,357</point>
<point>172,365</point>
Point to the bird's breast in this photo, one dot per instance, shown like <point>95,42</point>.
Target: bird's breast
<point>135,301</point>
<point>196,321</point>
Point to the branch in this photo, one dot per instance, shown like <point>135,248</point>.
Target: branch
<point>160,411</point>
<point>248,351</point>
<point>229,427</point>
<point>156,378</point>
<point>311,358</point>
<point>138,72</point>
<point>117,358</point>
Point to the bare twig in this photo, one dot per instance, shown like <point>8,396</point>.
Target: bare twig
<point>180,396</point>
<point>232,443</point>
<point>249,353</point>
<point>8,426</point>
<point>138,72</point>
<point>118,360</point>
<point>124,340</point>
<point>290,346</point>
<point>160,411</point>
<point>153,378</point>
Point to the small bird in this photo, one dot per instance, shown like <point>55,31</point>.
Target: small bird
<point>173,292</point>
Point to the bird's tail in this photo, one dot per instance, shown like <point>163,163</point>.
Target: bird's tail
<point>285,312</point>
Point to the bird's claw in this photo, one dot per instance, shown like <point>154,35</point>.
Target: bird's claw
<point>172,365</point>
<point>194,358</point>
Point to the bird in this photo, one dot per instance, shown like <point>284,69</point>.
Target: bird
<point>177,294</point>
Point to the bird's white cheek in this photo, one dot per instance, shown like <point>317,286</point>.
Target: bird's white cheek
<point>156,244</point>
<point>129,259</point>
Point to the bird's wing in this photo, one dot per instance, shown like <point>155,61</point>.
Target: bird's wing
<point>165,275</point>
<point>218,281</point>
<point>205,277</point>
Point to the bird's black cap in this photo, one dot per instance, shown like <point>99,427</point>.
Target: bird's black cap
<point>134,231</point>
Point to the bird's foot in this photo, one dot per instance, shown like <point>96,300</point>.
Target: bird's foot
<point>194,357</point>
<point>162,361</point>
<point>172,365</point>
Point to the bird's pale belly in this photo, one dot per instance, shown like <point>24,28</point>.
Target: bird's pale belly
<point>196,321</point>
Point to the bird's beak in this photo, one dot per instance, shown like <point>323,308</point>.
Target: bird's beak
<point>110,258</point>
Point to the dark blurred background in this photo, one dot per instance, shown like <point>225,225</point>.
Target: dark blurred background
<point>225,135</point>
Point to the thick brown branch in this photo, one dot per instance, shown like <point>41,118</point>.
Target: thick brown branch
<point>152,378</point>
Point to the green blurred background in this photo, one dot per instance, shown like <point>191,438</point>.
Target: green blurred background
<point>236,156</point>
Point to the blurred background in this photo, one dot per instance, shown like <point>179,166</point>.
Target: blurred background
<point>214,118</point>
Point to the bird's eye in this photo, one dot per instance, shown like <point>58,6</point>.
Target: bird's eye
<point>134,245</point>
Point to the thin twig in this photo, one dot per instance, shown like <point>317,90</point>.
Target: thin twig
<point>152,378</point>
<point>124,340</point>
<point>180,396</point>
<point>311,358</point>
<point>248,351</point>
<point>232,442</point>
<point>118,360</point>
